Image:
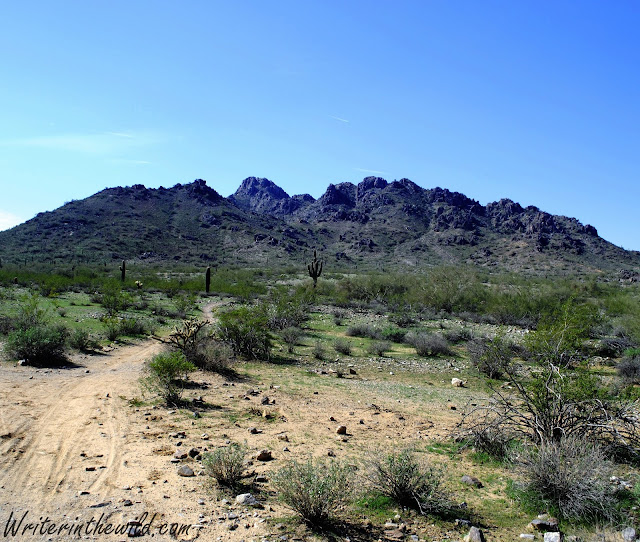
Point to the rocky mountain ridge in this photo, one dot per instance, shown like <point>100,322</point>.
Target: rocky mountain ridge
<point>373,224</point>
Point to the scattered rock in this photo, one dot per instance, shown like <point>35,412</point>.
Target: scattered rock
<point>544,525</point>
<point>265,400</point>
<point>471,481</point>
<point>254,430</point>
<point>457,382</point>
<point>527,536</point>
<point>283,437</point>
<point>553,536</point>
<point>186,471</point>
<point>475,535</point>
<point>352,372</point>
<point>179,454</point>
<point>247,499</point>
<point>342,430</point>
<point>194,452</point>
<point>264,455</point>
<point>629,534</point>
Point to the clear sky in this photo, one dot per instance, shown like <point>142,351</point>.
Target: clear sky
<point>536,101</point>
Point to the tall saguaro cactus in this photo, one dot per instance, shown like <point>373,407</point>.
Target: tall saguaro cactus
<point>123,270</point>
<point>207,279</point>
<point>315,269</point>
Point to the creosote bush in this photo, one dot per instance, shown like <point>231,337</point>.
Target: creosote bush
<point>378,348</point>
<point>410,482</point>
<point>315,490</point>
<point>246,330</point>
<point>165,376</point>
<point>226,465</point>
<point>491,356</point>
<point>291,337</point>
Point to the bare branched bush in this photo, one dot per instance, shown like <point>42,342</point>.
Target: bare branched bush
<point>557,403</point>
<point>291,337</point>
<point>315,490</point>
<point>378,348</point>
<point>629,370</point>
<point>570,478</point>
<point>319,351</point>
<point>226,465</point>
<point>342,346</point>
<point>188,336</point>
<point>428,344</point>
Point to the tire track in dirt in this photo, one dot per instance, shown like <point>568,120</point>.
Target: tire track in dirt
<point>66,429</point>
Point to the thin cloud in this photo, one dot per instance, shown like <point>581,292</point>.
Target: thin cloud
<point>369,171</point>
<point>100,143</point>
<point>340,119</point>
<point>129,161</point>
<point>9,220</point>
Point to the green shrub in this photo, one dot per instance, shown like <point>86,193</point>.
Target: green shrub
<point>81,339</point>
<point>246,330</point>
<point>165,376</point>
<point>393,334</point>
<point>40,344</point>
<point>226,465</point>
<point>342,346</point>
<point>570,478</point>
<point>319,351</point>
<point>629,369</point>
<point>291,337</point>
<point>409,482</point>
<point>314,490</point>
<point>491,357</point>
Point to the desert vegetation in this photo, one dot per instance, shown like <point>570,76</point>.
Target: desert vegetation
<point>545,409</point>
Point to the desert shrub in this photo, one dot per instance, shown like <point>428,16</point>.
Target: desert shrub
<point>6,325</point>
<point>403,319</point>
<point>113,299</point>
<point>81,339</point>
<point>112,327</point>
<point>393,334</point>
<point>458,334</point>
<point>410,482</point>
<point>378,348</point>
<point>226,465</point>
<point>486,434</point>
<point>287,309</point>
<point>40,344</point>
<point>246,331</point>
<point>214,356</point>
<point>629,369</point>
<point>189,336</point>
<point>554,403</point>
<point>132,327</point>
<point>62,311</point>
<point>319,351</point>
<point>491,356</point>
<point>316,491</point>
<point>165,376</point>
<point>342,346</point>
<point>560,336</point>
<point>363,330</point>
<point>184,303</point>
<point>428,344</point>
<point>339,316</point>
<point>570,478</point>
<point>291,337</point>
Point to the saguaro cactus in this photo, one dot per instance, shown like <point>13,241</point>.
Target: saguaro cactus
<point>207,280</point>
<point>315,269</point>
<point>123,270</point>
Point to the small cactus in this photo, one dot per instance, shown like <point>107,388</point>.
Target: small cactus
<point>207,279</point>
<point>315,268</point>
<point>123,270</point>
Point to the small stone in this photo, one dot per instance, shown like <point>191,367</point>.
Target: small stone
<point>201,502</point>
<point>253,430</point>
<point>283,437</point>
<point>127,502</point>
<point>352,372</point>
<point>265,400</point>
<point>342,430</point>
<point>204,436</point>
<point>179,454</point>
<point>553,536</point>
<point>458,383</point>
<point>331,453</point>
<point>471,481</point>
<point>629,534</point>
<point>544,525</point>
<point>475,535</point>
<point>247,499</point>
<point>527,536</point>
<point>186,471</point>
<point>264,455</point>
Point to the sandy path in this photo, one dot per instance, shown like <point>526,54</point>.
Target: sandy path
<point>64,431</point>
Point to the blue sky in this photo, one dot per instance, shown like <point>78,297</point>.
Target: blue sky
<point>534,101</point>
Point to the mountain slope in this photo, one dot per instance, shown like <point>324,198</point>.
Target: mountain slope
<point>372,224</point>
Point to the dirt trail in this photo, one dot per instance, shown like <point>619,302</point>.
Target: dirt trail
<point>63,431</point>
